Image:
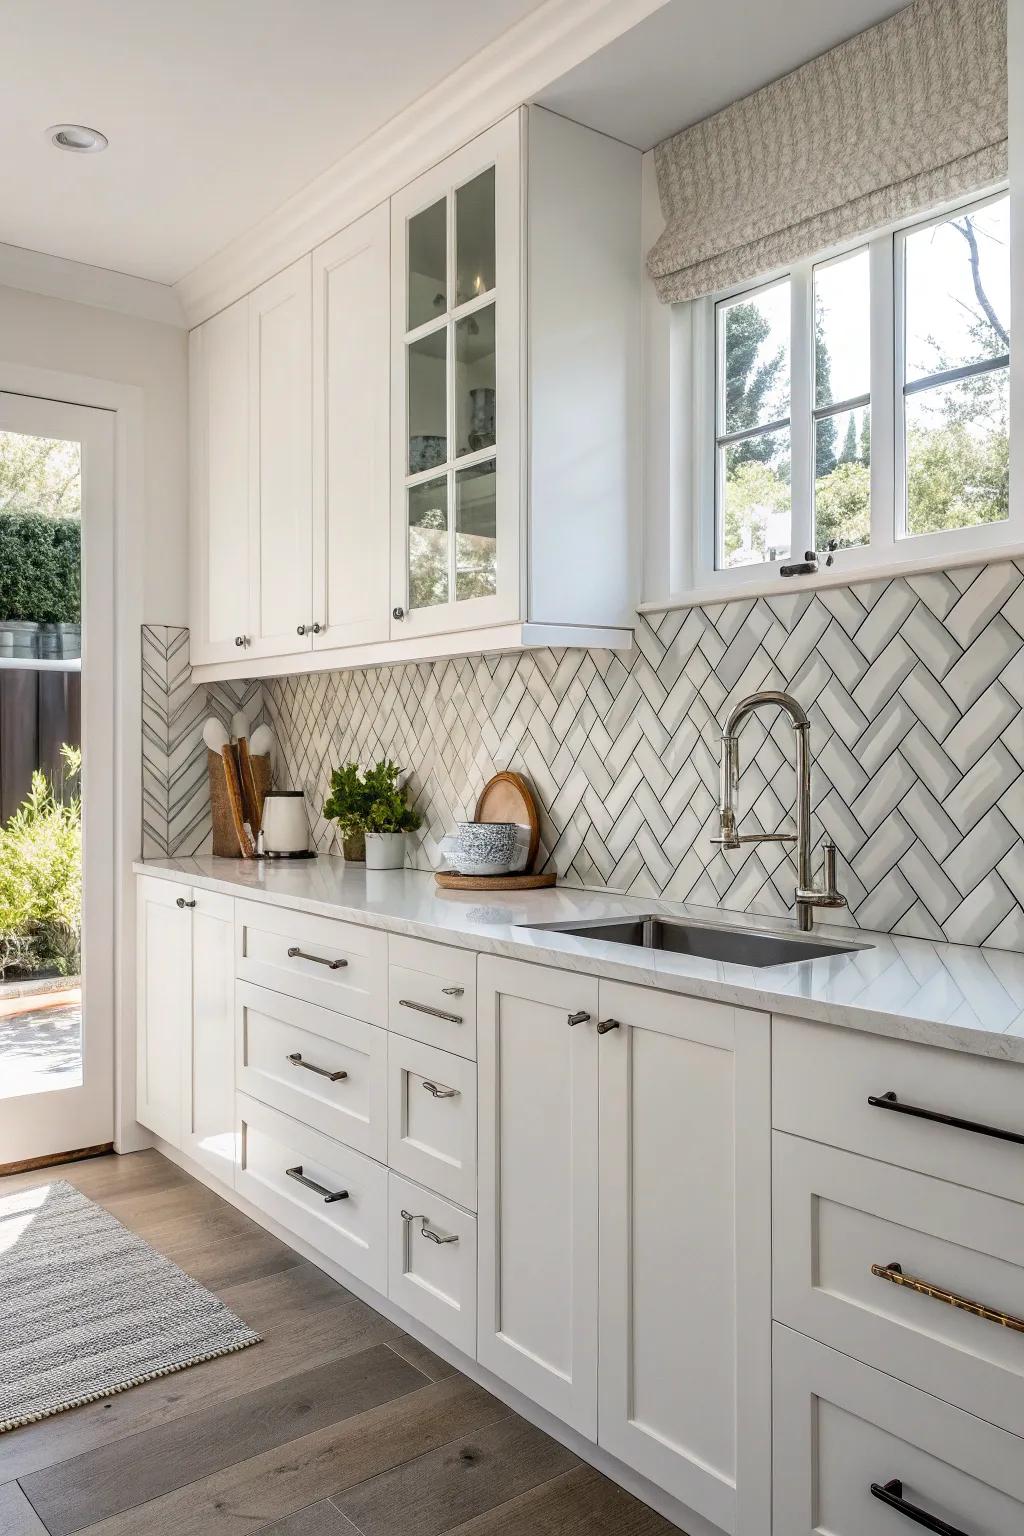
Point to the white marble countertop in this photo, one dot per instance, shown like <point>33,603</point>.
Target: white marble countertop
<point>947,995</point>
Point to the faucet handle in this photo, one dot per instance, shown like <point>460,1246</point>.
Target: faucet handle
<point>826,895</point>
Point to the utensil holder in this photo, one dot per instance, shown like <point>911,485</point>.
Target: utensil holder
<point>225,843</point>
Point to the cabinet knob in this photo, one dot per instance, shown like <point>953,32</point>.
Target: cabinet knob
<point>578,1018</point>
<point>398,613</point>
<point>318,629</point>
<point>239,639</point>
<point>181,902</point>
<point>309,629</point>
<point>607,1024</point>
<point>301,629</point>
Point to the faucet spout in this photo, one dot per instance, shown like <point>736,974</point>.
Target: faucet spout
<point>808,896</point>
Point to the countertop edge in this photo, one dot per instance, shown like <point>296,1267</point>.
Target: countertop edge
<point>903,1026</point>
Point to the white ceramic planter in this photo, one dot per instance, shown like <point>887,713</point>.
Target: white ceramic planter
<point>385,850</point>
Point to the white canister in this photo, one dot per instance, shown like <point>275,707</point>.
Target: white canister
<point>385,850</point>
<point>285,824</point>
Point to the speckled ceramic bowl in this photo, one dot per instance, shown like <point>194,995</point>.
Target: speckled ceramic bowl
<point>485,847</point>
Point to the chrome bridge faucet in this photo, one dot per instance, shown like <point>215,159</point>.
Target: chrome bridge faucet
<point>808,895</point>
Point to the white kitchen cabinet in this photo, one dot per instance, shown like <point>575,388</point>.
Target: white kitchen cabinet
<point>219,485</point>
<point>208,1098</point>
<point>164,969</point>
<point>351,405</point>
<point>845,1434</point>
<point>185,1078</point>
<point>281,464</point>
<point>537,1212</point>
<point>685,1284</point>
<point>515,326</point>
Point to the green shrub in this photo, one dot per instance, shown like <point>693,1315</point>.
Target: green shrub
<point>41,877</point>
<point>40,568</point>
<point>369,802</point>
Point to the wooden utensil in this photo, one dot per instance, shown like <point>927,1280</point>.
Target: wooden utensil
<point>251,797</point>
<point>234,789</point>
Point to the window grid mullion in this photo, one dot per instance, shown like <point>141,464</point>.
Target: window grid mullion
<point>887,479</point>
<point>801,402</point>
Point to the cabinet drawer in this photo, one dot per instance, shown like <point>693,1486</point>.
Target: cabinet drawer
<point>842,1428</point>
<point>337,965</point>
<point>432,1264</point>
<point>836,1215</point>
<point>275,1150</point>
<point>432,1118</point>
<point>432,994</point>
<point>822,1079</point>
<point>318,1066</point>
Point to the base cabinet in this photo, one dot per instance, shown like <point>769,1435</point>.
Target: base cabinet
<point>858,1453</point>
<point>538,1185</point>
<point>208,1130</point>
<point>164,1004</point>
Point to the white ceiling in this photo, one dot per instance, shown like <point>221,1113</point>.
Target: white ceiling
<point>216,111</point>
<point>693,57</point>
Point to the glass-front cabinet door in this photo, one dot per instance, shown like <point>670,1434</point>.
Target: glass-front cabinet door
<point>456,238</point>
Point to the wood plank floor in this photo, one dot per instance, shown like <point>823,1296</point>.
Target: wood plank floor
<point>338,1424</point>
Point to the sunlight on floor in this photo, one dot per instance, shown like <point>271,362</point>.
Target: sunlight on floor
<point>41,1045</point>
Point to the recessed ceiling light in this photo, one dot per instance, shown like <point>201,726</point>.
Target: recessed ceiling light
<point>76,138</point>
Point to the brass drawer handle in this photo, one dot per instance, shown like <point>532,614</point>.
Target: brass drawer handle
<point>332,1077</point>
<point>439,1090</point>
<point>435,1013</point>
<point>894,1274</point>
<point>295,953</point>
<point>329,1195</point>
<point>890,1101</point>
<point>428,1232</point>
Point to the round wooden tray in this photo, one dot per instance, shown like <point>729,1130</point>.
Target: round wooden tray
<point>448,880</point>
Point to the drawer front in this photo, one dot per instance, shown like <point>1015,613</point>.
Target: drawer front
<point>432,1118</point>
<point>836,1215</point>
<point>432,1264</point>
<point>822,1079</point>
<point>432,994</point>
<point>318,1066</point>
<point>352,1230</point>
<point>336,965</point>
<point>841,1428</point>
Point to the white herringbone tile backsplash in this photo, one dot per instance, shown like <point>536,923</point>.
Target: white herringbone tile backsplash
<point>914,687</point>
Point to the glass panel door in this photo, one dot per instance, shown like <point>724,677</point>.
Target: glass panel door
<point>451,374</point>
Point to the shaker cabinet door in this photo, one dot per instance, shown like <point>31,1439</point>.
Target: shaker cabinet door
<point>280,459</point>
<point>351,405</point>
<point>164,961</point>
<point>537,1226</point>
<point>209,1058</point>
<point>219,486</point>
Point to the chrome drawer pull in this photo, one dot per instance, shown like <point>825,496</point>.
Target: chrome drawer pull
<point>300,954</point>
<point>894,1273</point>
<point>454,991</point>
<point>428,1232</point>
<point>329,1195</point>
<point>332,1077</point>
<point>435,1013</point>
<point>890,1101</point>
<point>439,1090</point>
<point>891,1493</point>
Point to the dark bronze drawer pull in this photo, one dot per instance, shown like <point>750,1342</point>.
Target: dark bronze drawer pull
<point>428,1232</point>
<point>329,1195</point>
<point>891,1493</point>
<point>332,1077</point>
<point>435,1013</point>
<point>300,954</point>
<point>606,1024</point>
<point>890,1101</point>
<point>894,1273</point>
<point>581,1017</point>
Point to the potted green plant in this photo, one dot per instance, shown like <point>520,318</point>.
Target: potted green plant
<point>373,804</point>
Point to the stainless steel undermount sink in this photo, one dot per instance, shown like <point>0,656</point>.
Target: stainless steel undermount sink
<point>683,936</point>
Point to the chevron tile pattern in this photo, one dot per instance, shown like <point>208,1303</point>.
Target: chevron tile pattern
<point>175,792</point>
<point>914,687</point>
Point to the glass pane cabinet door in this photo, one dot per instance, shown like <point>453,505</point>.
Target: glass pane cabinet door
<point>458,283</point>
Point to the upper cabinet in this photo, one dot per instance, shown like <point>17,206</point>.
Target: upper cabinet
<point>432,421</point>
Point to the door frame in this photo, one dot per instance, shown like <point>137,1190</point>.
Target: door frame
<point>126,402</point>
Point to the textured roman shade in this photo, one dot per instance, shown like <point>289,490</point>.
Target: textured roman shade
<point>891,123</point>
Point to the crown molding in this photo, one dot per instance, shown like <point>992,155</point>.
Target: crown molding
<point>509,71</point>
<point>78,283</point>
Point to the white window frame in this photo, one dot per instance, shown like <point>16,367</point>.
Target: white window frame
<point>890,549</point>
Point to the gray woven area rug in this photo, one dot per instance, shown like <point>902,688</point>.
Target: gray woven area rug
<point>88,1309</point>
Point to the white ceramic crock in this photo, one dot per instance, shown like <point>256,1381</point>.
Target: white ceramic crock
<point>385,850</point>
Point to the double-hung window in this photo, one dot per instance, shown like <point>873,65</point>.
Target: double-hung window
<point>860,405</point>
